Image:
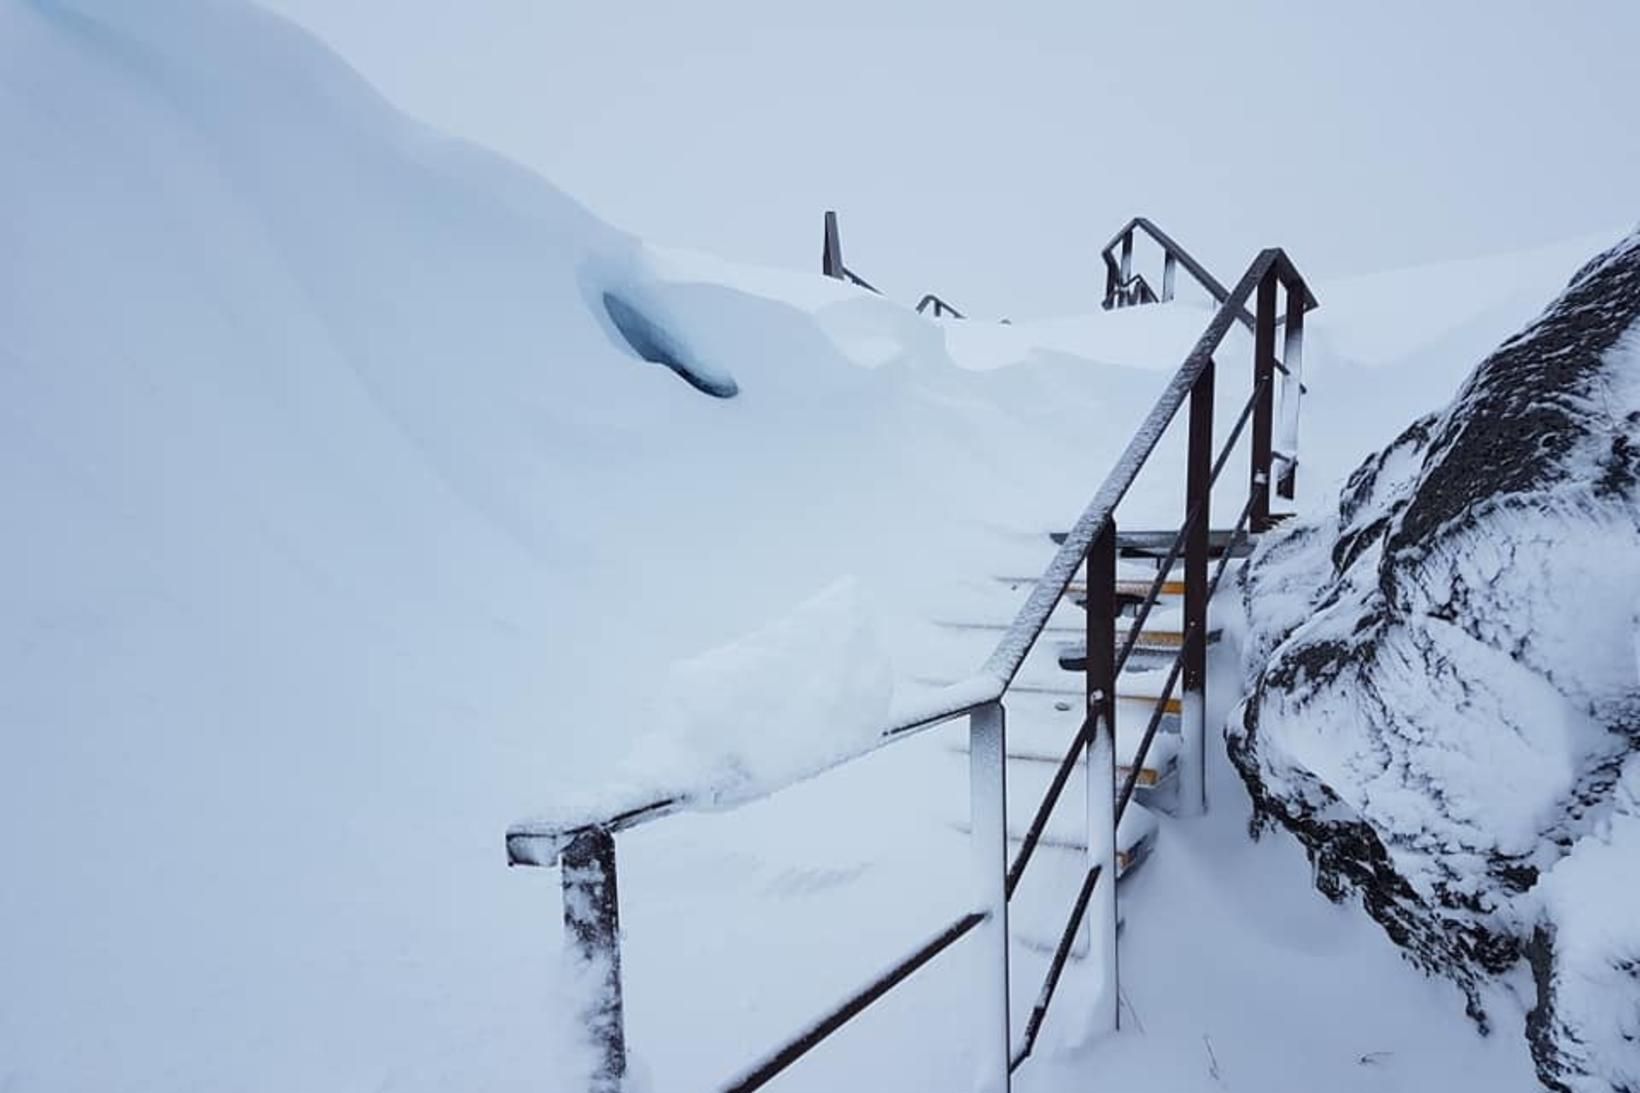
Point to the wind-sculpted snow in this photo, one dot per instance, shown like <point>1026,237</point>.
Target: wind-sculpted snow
<point>1444,704</point>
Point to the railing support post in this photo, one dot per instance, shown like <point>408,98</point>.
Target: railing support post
<point>1264,367</point>
<point>1101,773</point>
<point>988,838</point>
<point>831,251</point>
<point>1170,273</point>
<point>1292,391</point>
<point>1127,267</point>
<point>592,928</point>
<point>1197,504</point>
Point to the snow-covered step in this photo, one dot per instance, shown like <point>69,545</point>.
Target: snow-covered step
<point>1163,632</point>
<point>1127,708</point>
<point>1046,894</point>
<point>1041,733</point>
<point>1134,587</point>
<point>1067,824</point>
<point>1156,544</point>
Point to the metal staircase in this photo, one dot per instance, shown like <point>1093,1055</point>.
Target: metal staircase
<point>1068,740</point>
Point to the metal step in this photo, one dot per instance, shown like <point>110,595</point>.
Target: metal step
<point>1046,744</point>
<point>1156,544</point>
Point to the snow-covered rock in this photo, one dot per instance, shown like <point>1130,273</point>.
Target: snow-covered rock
<point>1444,704</point>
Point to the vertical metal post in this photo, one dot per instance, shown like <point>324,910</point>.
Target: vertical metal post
<point>1198,501</point>
<point>1127,266</point>
<point>1101,771</point>
<point>1292,391</point>
<point>592,928</point>
<point>831,253</point>
<point>1170,273</point>
<point>988,838</point>
<point>1264,367</point>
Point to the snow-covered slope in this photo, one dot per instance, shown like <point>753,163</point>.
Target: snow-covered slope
<point>344,527</point>
<point>1445,704</point>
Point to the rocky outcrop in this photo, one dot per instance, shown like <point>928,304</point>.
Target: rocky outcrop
<point>1444,692</point>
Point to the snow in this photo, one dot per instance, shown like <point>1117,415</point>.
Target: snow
<point>344,529</point>
<point>780,704</point>
<point>1589,899</point>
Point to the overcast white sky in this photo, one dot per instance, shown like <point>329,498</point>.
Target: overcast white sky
<point>986,150</point>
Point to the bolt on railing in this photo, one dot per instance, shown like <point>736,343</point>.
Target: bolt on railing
<point>584,847</point>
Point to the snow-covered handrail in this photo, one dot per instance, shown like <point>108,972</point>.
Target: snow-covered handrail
<point>1124,288</point>
<point>581,840</point>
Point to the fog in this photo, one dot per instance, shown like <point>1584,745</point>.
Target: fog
<point>987,150</point>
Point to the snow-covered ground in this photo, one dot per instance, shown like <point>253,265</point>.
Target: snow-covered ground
<point>343,530</point>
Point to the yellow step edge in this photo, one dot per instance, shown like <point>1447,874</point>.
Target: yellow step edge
<point>1142,588</point>
<point>1173,705</point>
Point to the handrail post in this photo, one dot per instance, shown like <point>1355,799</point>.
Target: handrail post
<point>831,252</point>
<point>1127,266</point>
<point>988,839</point>
<point>1198,509</point>
<point>1170,273</point>
<point>1292,391</point>
<point>1264,367</point>
<point>1101,772</point>
<point>592,928</point>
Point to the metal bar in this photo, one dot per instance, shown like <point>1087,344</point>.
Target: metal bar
<point>760,1074</point>
<point>1151,598</point>
<point>1100,690</point>
<point>831,250</point>
<point>1170,272</point>
<point>1235,435</point>
<point>1016,644</point>
<point>1198,493</point>
<point>1264,354</point>
<point>1212,284</point>
<point>855,279</point>
<point>940,306</point>
<point>1061,953</point>
<point>1127,259</point>
<point>1235,537</point>
<point>1292,390</point>
<point>592,928</point>
<point>1156,714</point>
<point>1044,808</point>
<point>988,841</point>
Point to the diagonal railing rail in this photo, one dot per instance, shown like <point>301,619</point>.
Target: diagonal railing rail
<point>584,845</point>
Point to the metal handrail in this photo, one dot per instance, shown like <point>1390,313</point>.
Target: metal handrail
<point>589,879</point>
<point>940,307</point>
<point>831,265</point>
<point>991,681</point>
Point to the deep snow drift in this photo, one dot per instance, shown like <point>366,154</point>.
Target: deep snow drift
<point>345,527</point>
<point>1445,705</point>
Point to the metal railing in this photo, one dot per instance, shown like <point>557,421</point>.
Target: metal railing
<point>584,846</point>
<point>831,264</point>
<point>1125,288</point>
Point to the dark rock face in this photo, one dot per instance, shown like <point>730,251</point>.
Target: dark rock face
<point>1444,700</point>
